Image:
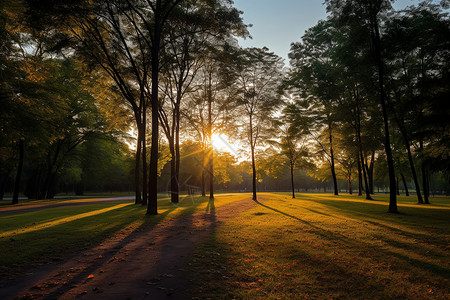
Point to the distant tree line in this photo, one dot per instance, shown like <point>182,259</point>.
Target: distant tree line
<point>372,86</point>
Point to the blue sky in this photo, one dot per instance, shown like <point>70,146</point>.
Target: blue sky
<point>278,23</point>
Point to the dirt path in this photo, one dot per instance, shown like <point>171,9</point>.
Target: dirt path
<point>146,264</point>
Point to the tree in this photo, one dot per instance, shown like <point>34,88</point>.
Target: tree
<point>293,143</point>
<point>364,17</point>
<point>195,41</point>
<point>312,79</point>
<point>258,77</point>
<point>125,40</point>
<point>210,109</point>
<point>417,56</point>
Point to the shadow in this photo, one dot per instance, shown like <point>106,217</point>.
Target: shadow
<point>108,254</point>
<point>355,244</point>
<point>211,208</point>
<point>167,242</point>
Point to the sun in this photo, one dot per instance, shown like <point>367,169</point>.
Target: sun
<point>220,143</point>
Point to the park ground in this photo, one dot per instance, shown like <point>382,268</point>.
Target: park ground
<point>316,246</point>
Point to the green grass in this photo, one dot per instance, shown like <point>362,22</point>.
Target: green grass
<point>316,246</point>
<point>63,198</point>
<point>324,247</point>
<point>36,237</point>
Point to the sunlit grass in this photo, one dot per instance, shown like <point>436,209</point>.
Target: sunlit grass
<point>36,227</point>
<point>315,246</point>
<point>323,247</point>
<point>36,237</point>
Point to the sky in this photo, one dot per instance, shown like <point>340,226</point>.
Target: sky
<point>276,24</point>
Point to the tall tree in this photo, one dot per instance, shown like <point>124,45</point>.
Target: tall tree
<point>312,78</point>
<point>365,17</point>
<point>259,75</point>
<point>195,40</point>
<point>417,64</point>
<point>293,144</point>
<point>210,110</point>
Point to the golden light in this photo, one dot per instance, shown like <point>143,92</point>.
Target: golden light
<point>220,143</point>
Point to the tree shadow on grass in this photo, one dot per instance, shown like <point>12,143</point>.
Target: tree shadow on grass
<point>171,242</point>
<point>116,245</point>
<point>353,243</point>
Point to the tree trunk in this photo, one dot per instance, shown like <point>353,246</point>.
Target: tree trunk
<point>211,152</point>
<point>426,192</point>
<point>333,172</point>
<point>292,180</point>
<point>375,35</point>
<point>137,178</point>
<point>173,178</point>
<point>350,189</point>
<point>211,175</point>
<point>359,178</point>
<point>424,175</point>
<point>411,163</point>
<point>370,172</point>
<point>361,156</point>
<point>252,147</point>
<point>51,163</point>
<point>253,174</point>
<point>404,184</point>
<point>366,184</point>
<point>398,187</point>
<point>144,156</point>
<point>177,154</point>
<point>203,172</point>
<point>152,207</point>
<point>15,199</point>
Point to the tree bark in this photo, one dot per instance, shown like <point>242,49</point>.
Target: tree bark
<point>424,176</point>
<point>177,154</point>
<point>292,180</point>
<point>15,199</point>
<point>137,178</point>
<point>152,207</point>
<point>144,155</point>
<point>203,183</point>
<point>361,156</point>
<point>370,172</point>
<point>410,160</point>
<point>366,184</point>
<point>252,147</point>
<point>350,189</point>
<point>173,178</point>
<point>333,171</point>
<point>426,192</point>
<point>51,164</point>
<point>404,184</point>
<point>211,152</point>
<point>375,35</point>
<point>359,178</point>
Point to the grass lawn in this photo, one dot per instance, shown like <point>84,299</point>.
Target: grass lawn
<point>315,246</point>
<point>324,247</point>
<point>30,238</point>
<point>61,198</point>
